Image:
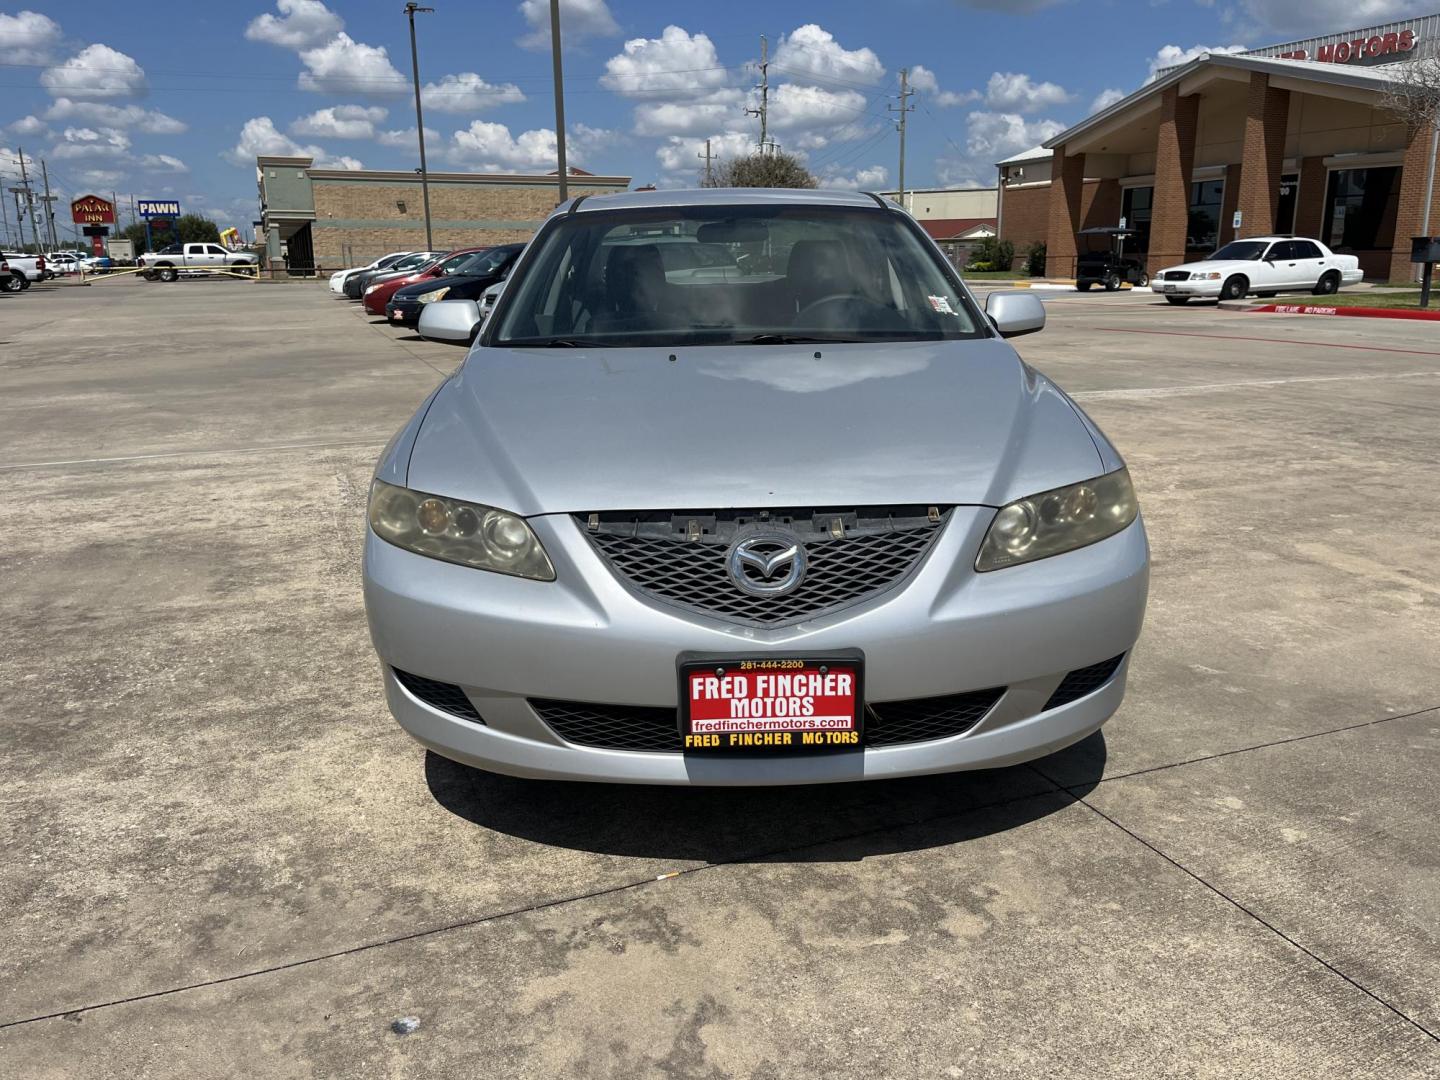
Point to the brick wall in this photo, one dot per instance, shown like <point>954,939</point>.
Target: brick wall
<point>1174,163</point>
<point>1267,112</point>
<point>1310,201</point>
<point>1229,204</point>
<point>358,221</point>
<point>1414,173</point>
<point>1066,189</point>
<point>1026,218</point>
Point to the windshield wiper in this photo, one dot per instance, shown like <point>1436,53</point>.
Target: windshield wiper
<point>793,339</point>
<point>560,343</point>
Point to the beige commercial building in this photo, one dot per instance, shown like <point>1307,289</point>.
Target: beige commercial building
<point>325,219</point>
<point>956,217</point>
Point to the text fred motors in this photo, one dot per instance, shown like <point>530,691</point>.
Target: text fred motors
<point>764,709</point>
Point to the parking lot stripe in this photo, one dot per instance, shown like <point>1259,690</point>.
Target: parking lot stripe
<point>377,442</point>
<point>1240,384</point>
<point>1267,340</point>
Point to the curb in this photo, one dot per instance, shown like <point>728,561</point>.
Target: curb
<point>1356,312</point>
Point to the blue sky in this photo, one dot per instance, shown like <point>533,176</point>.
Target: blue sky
<point>175,99</point>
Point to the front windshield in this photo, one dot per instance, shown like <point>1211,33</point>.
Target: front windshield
<point>481,263</point>
<point>1242,250</point>
<point>414,262</point>
<point>721,275</point>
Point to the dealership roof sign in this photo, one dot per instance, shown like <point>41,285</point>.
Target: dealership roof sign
<point>92,210</point>
<point>157,208</point>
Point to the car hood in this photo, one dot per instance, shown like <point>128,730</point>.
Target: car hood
<point>541,431</point>
<point>1218,266</point>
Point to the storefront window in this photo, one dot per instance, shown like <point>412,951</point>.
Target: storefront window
<point>1285,205</point>
<point>1203,230</point>
<point>1360,208</point>
<point>1135,209</point>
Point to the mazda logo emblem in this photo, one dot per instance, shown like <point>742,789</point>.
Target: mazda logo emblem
<point>766,564</point>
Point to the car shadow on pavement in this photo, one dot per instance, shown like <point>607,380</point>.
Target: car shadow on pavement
<point>816,823</point>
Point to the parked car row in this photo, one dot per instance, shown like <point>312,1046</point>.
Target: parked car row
<point>19,270</point>
<point>400,285</point>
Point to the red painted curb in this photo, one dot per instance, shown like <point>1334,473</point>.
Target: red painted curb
<point>1359,312</point>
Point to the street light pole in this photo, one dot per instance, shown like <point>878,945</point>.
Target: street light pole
<point>559,99</point>
<point>410,10</point>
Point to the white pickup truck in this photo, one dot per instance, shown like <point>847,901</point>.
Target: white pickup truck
<point>169,263</point>
<point>23,270</point>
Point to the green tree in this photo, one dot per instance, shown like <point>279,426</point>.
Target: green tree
<point>136,235</point>
<point>194,229</point>
<point>772,170</point>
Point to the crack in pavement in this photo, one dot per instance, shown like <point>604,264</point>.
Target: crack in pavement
<point>757,856</point>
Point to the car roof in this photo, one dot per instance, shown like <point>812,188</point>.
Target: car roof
<point>631,200</point>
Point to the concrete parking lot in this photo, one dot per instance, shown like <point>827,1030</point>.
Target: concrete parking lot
<point>224,858</point>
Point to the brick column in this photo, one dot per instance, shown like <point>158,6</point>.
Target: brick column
<point>1104,205</point>
<point>1310,202</point>
<point>1413,175</point>
<point>1266,114</point>
<point>1229,204</point>
<point>1067,178</point>
<point>1174,160</point>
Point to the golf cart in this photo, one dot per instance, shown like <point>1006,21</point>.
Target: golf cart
<point>1102,259</point>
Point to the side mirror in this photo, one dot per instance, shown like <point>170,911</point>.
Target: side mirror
<point>1015,313</point>
<point>450,320</point>
<point>487,301</point>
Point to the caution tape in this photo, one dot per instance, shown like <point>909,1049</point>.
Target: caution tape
<point>252,274</point>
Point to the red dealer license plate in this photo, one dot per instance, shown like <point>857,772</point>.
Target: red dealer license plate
<point>771,705</point>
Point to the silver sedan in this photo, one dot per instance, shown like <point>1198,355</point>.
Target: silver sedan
<point>745,488</point>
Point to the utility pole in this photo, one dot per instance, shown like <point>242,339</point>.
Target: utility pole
<point>555,63</point>
<point>49,206</point>
<point>5,218</point>
<point>19,217</point>
<point>709,176</point>
<point>763,111</point>
<point>410,10</point>
<point>904,110</point>
<point>29,199</point>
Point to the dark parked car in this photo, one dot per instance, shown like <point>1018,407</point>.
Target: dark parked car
<point>1102,260</point>
<point>488,268</point>
<point>356,284</point>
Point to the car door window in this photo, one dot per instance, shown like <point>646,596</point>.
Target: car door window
<point>1304,249</point>
<point>212,249</point>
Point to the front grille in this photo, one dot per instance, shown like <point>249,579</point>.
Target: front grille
<point>1082,681</point>
<point>923,719</point>
<point>679,558</point>
<point>447,697</point>
<point>611,727</point>
<point>636,727</point>
<point>1175,275</point>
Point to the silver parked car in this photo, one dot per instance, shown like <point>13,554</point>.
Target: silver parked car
<point>779,508</point>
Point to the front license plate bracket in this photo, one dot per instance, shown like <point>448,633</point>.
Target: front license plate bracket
<point>759,705</point>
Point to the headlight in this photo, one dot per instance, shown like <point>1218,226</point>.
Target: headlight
<point>457,532</point>
<point>372,288</point>
<point>1057,521</point>
<point>433,295</point>
<point>1212,276</point>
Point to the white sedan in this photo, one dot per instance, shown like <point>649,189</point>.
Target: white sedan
<point>1263,265</point>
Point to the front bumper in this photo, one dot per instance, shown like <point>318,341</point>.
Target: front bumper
<point>586,637</point>
<point>405,313</point>
<point>1205,289</point>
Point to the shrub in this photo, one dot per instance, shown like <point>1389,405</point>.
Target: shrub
<point>1035,259</point>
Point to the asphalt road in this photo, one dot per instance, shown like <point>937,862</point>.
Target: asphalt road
<point>223,858</point>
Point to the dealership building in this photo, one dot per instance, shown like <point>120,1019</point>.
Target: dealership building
<point>1291,138</point>
<point>326,219</point>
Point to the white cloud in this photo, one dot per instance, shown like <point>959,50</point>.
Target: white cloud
<point>489,147</point>
<point>468,93</point>
<point>579,19</point>
<point>79,144</point>
<point>924,80</point>
<point>260,136</point>
<point>1174,56</point>
<point>684,158</point>
<point>28,38</point>
<point>793,106</point>
<point>96,71</point>
<point>1014,92</point>
<point>158,163</point>
<point>346,66</point>
<point>406,139</point>
<point>1106,98</point>
<point>811,52</point>
<point>150,121</point>
<point>872,178</point>
<point>996,136</point>
<point>720,109</point>
<point>340,122</point>
<point>302,23</point>
<point>1283,18</point>
<point>584,140</point>
<point>28,126</point>
<point>676,63</point>
<point>99,178</point>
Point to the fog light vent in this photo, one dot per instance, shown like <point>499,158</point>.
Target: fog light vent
<point>447,697</point>
<point>1082,681</point>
